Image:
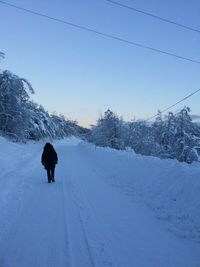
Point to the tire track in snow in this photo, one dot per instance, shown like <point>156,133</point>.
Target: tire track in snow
<point>79,248</point>
<point>85,236</point>
<point>66,226</point>
<point>85,221</point>
<point>95,239</point>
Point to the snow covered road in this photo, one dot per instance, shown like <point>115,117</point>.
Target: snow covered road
<point>83,221</point>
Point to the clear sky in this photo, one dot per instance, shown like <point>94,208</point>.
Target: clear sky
<point>80,74</point>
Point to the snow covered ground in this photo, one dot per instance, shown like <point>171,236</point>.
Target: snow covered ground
<point>107,208</point>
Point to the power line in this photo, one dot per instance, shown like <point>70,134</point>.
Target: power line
<point>100,33</point>
<point>153,16</point>
<point>183,99</point>
<point>2,54</point>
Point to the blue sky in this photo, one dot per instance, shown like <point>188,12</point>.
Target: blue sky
<point>80,74</point>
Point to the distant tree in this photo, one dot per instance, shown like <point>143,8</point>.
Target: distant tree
<point>158,128</point>
<point>63,127</point>
<point>22,119</point>
<point>174,136</point>
<point>71,128</point>
<point>109,131</point>
<point>40,124</point>
<point>177,136</point>
<point>141,138</point>
<point>187,137</point>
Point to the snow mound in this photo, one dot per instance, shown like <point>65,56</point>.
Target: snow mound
<point>170,188</point>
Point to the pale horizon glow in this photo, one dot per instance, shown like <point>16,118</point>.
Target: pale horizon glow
<point>81,75</point>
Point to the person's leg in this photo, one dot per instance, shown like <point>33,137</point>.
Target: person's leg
<point>49,174</point>
<point>52,174</point>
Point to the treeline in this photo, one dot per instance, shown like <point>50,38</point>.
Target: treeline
<point>175,136</point>
<point>22,119</point>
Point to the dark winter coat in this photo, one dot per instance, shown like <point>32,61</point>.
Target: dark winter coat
<point>49,157</point>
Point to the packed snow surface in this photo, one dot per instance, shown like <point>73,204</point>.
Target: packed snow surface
<point>106,208</point>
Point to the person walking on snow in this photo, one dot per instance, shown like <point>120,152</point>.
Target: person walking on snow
<point>49,160</point>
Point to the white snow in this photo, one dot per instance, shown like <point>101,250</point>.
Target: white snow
<point>106,208</point>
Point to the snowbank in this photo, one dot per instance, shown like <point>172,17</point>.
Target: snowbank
<point>170,188</point>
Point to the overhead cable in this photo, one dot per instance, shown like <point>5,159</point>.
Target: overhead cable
<point>183,99</point>
<point>100,33</point>
<point>2,54</point>
<point>154,16</point>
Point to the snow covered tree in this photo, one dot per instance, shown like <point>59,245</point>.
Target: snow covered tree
<point>166,141</point>
<point>174,136</point>
<point>71,128</point>
<point>141,138</point>
<point>14,97</point>
<point>40,124</point>
<point>177,136</point>
<point>187,137</point>
<point>158,128</point>
<point>22,119</point>
<point>63,127</point>
<point>109,131</point>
